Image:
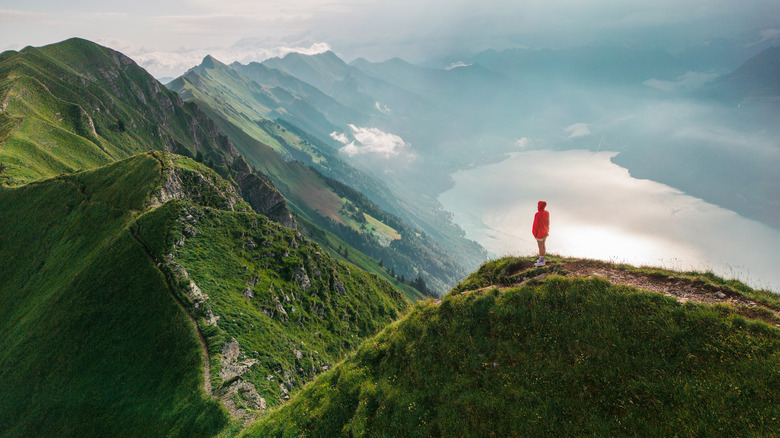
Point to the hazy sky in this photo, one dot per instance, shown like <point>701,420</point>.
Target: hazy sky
<point>167,37</point>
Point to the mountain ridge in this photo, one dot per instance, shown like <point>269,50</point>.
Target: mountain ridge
<point>517,350</point>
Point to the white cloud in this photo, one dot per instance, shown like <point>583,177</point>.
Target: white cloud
<point>174,63</point>
<point>458,64</point>
<point>382,108</point>
<point>370,141</point>
<point>689,81</point>
<point>578,130</point>
<point>522,142</point>
<point>339,137</point>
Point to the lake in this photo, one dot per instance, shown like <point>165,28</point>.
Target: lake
<point>597,210</point>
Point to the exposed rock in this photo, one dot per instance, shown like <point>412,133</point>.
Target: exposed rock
<point>339,288</point>
<point>211,319</point>
<point>247,395</point>
<point>249,293</point>
<point>301,279</point>
<point>190,231</point>
<point>230,351</point>
<point>201,188</point>
<point>261,194</point>
<point>230,365</point>
<point>196,295</point>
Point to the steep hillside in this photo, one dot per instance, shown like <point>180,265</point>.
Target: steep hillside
<point>335,112</point>
<point>251,106</point>
<point>120,283</point>
<point>323,200</point>
<point>518,351</point>
<point>76,105</point>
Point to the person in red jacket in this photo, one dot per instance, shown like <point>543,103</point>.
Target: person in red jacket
<point>541,229</point>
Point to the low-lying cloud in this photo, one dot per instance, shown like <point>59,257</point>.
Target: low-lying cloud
<point>577,130</point>
<point>162,63</point>
<point>370,141</point>
<point>687,82</point>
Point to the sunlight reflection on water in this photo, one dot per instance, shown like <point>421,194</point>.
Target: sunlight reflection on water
<point>597,210</point>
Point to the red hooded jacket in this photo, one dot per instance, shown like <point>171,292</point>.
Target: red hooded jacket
<point>541,226</point>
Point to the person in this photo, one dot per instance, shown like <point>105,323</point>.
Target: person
<point>541,229</point>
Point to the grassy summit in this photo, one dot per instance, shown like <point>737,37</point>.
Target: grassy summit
<point>555,356</point>
<point>118,285</point>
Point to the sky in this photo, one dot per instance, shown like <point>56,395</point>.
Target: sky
<point>168,37</point>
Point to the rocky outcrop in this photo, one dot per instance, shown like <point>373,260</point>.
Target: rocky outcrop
<point>261,194</point>
<point>239,397</point>
<point>240,393</point>
<point>204,188</point>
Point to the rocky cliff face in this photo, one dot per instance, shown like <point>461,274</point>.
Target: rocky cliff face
<point>259,191</point>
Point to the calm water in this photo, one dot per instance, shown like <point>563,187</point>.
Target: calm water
<point>597,210</point>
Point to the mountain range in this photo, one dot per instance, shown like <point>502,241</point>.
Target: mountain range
<point>206,260</point>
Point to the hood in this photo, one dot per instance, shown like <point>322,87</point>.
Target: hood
<point>542,205</point>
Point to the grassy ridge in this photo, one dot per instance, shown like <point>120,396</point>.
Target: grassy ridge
<point>560,357</point>
<point>94,342</point>
<point>252,271</point>
<point>76,105</point>
<point>91,342</point>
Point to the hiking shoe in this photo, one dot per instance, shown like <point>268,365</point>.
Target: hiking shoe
<point>539,262</point>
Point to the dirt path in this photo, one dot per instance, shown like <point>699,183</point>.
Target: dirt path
<point>682,289</point>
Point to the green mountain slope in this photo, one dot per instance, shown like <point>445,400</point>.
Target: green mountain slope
<point>227,96</point>
<point>119,282</point>
<point>348,85</point>
<point>534,354</point>
<point>75,105</point>
<point>92,341</point>
<point>338,114</point>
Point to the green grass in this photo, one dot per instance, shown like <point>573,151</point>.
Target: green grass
<point>94,343</point>
<point>336,247</point>
<point>507,271</point>
<point>561,357</point>
<point>233,252</point>
<point>91,341</point>
<point>76,105</point>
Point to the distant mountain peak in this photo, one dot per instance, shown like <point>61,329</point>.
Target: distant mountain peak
<point>211,62</point>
